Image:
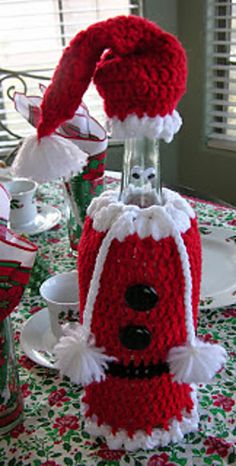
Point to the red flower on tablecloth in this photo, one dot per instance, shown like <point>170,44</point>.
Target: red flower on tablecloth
<point>13,450</point>
<point>9,299</point>
<point>159,460</point>
<point>2,360</point>
<point>232,222</point>
<point>231,421</point>
<point>2,341</point>
<point>45,256</point>
<point>53,240</point>
<point>25,390</point>
<point>66,422</point>
<point>17,336</point>
<point>26,362</point>
<point>107,454</point>
<point>15,433</point>
<point>49,463</point>
<point>208,338</point>
<point>218,446</point>
<point>224,402</point>
<point>230,313</point>
<point>35,309</point>
<point>57,397</point>
<point>57,227</point>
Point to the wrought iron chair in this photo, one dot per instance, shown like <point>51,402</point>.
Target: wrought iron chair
<point>18,81</point>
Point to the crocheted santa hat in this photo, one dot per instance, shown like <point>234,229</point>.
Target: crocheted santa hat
<point>141,77</point>
<point>139,70</point>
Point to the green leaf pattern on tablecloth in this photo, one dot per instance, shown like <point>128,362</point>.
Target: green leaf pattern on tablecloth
<point>53,430</point>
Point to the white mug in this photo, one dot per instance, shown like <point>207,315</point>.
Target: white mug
<point>62,297</point>
<point>23,208</point>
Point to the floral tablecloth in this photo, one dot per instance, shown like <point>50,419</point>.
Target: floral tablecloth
<point>53,433</point>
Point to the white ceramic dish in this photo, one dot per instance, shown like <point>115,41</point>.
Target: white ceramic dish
<point>37,339</point>
<point>47,217</point>
<point>219,267</point>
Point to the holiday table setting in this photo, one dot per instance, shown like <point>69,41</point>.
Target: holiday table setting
<point>53,434</point>
<point>143,373</point>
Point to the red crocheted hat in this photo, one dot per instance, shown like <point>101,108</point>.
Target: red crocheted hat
<point>139,70</point>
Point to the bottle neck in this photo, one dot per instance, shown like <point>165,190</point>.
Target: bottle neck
<point>141,177</point>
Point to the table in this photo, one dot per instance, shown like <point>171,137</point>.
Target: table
<point>53,434</point>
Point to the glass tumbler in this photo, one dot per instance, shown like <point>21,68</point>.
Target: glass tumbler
<point>11,404</point>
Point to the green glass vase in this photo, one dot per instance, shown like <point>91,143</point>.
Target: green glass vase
<point>11,404</point>
<point>80,189</point>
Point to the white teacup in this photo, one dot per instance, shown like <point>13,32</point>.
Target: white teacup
<point>23,207</point>
<point>62,297</point>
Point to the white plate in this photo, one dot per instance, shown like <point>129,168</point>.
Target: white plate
<point>219,267</point>
<point>37,339</point>
<point>46,218</point>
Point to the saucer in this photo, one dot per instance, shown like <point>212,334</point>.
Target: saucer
<point>37,339</point>
<point>218,286</point>
<point>47,217</point>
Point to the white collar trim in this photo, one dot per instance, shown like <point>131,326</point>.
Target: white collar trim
<point>156,221</point>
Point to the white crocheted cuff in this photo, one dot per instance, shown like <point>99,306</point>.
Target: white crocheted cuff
<point>158,127</point>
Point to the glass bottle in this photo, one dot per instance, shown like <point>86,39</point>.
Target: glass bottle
<point>11,404</point>
<point>141,179</point>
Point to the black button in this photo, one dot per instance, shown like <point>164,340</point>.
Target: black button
<point>134,337</point>
<point>141,297</point>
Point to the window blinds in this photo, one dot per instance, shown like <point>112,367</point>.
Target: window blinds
<point>33,34</point>
<point>221,73</point>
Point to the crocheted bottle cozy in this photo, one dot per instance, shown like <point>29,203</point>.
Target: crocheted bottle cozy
<point>139,268</point>
<point>138,405</point>
<point>135,350</point>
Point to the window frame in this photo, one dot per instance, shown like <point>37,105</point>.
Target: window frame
<point>218,79</point>
<point>20,82</point>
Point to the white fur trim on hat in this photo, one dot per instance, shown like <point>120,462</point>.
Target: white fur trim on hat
<point>158,438</point>
<point>158,127</point>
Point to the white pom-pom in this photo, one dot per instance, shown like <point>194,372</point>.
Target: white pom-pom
<point>79,358</point>
<point>50,158</point>
<point>196,364</point>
